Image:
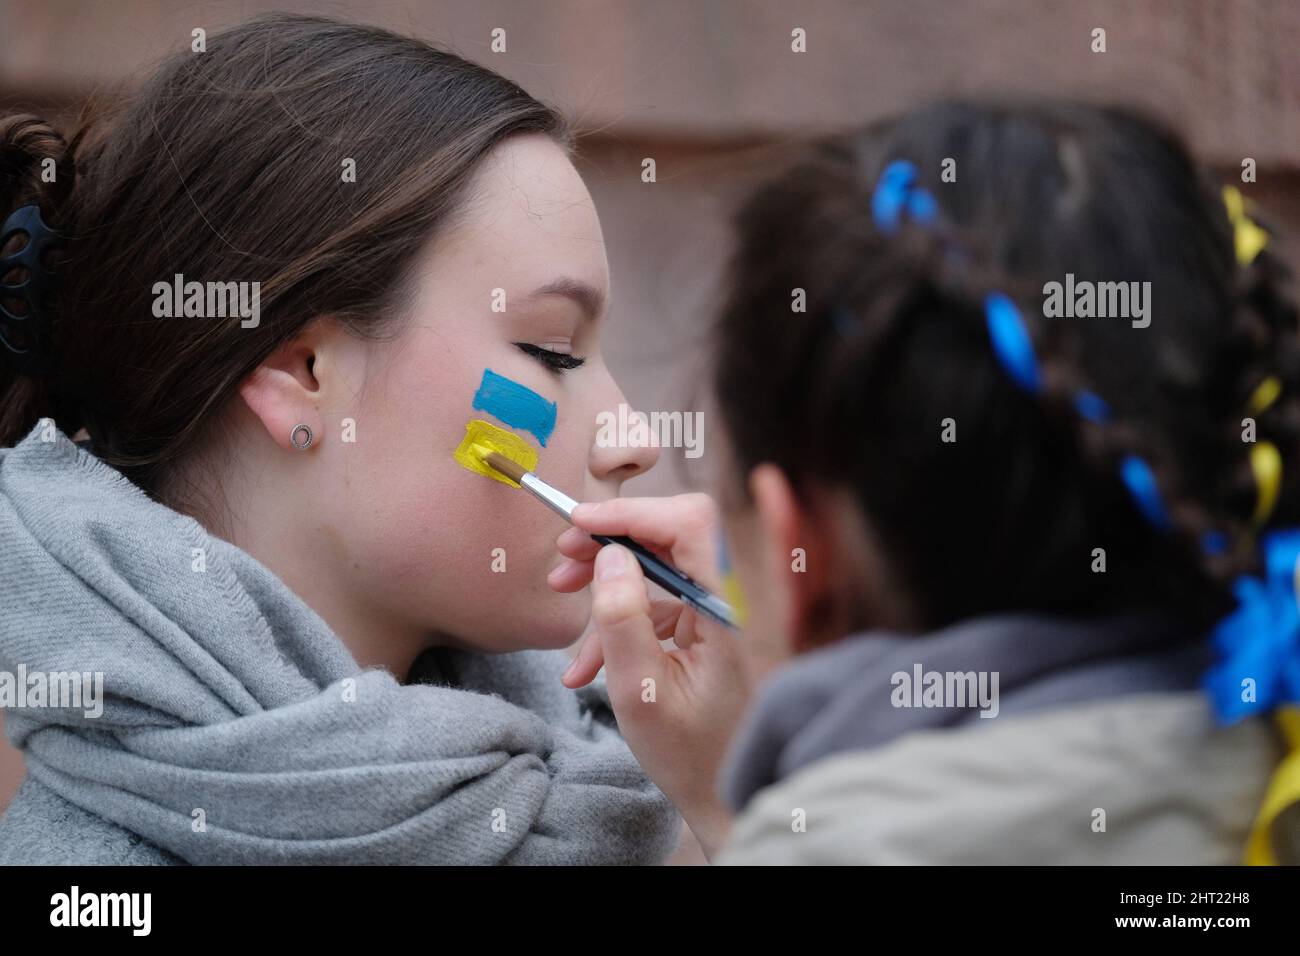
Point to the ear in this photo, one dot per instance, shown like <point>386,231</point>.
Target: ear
<point>283,391</point>
<point>787,524</point>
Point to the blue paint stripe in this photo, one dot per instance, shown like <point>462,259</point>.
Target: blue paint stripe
<point>516,405</point>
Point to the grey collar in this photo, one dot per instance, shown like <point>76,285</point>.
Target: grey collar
<point>869,689</point>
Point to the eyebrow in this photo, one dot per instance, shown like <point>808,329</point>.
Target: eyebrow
<point>588,298</point>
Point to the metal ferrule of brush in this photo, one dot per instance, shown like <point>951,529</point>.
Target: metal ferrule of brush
<point>557,501</point>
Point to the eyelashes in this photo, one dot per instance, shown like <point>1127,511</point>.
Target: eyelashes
<point>555,361</point>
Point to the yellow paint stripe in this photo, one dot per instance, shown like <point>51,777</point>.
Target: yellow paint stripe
<point>483,437</point>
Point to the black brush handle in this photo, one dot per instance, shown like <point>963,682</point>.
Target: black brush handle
<point>677,583</point>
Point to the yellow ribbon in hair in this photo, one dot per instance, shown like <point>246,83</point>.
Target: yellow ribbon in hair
<point>1283,791</point>
<point>1265,394</point>
<point>1248,238</point>
<point>1284,788</point>
<point>1266,464</point>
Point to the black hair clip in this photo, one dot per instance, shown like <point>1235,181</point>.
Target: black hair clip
<point>25,336</point>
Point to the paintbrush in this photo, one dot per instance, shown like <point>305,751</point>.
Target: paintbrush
<point>677,583</point>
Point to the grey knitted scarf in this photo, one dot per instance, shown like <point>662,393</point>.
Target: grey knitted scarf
<point>237,728</point>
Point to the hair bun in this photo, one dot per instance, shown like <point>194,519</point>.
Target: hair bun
<point>35,164</point>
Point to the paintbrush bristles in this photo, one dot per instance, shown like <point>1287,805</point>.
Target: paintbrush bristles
<point>511,469</point>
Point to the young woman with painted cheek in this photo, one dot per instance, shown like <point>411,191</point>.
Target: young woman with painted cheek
<point>403,547</point>
<point>252,526</point>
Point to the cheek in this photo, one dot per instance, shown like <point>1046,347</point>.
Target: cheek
<point>458,553</point>
<point>565,461</point>
<point>449,549</point>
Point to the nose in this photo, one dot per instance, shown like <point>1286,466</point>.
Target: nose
<point>624,446</point>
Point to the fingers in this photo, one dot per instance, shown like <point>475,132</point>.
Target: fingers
<point>581,546</point>
<point>665,616</point>
<point>670,617</point>
<point>577,544</point>
<point>620,613</point>
<point>684,527</point>
<point>570,576</point>
<point>586,663</point>
<point>580,549</point>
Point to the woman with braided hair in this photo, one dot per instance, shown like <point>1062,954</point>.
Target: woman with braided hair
<point>1020,588</point>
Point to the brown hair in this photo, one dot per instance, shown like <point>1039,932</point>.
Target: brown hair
<point>227,166</point>
<point>855,391</point>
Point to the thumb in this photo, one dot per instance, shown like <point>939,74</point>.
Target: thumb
<point>620,613</point>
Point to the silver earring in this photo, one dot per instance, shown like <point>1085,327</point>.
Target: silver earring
<point>293,436</point>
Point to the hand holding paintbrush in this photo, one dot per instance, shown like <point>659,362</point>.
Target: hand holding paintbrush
<point>656,569</point>
<point>676,710</point>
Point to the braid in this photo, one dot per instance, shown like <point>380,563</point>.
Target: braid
<point>1074,435</point>
<point>1013,340</point>
<point>934,268</point>
<point>1266,350</point>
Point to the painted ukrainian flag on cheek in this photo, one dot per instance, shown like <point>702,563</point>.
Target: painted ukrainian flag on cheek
<point>517,406</point>
<point>482,438</point>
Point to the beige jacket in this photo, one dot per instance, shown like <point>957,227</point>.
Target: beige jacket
<point>1144,778</point>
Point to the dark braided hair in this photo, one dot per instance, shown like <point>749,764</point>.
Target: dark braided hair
<point>853,391</point>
